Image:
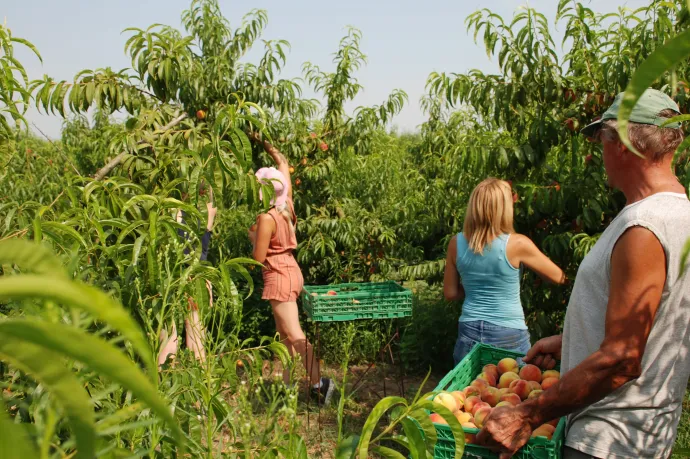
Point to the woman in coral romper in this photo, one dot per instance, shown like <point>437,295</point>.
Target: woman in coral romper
<point>274,240</point>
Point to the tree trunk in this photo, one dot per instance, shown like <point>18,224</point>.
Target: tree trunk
<point>105,170</point>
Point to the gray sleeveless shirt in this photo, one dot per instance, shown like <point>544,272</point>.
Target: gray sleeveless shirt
<point>639,419</point>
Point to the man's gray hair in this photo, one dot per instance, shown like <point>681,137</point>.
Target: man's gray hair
<point>655,142</point>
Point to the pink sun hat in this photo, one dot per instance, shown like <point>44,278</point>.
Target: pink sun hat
<point>271,175</point>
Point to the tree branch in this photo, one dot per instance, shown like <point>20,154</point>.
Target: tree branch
<point>105,170</point>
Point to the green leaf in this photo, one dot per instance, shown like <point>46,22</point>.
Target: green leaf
<point>661,60</point>
<point>675,119</point>
<point>32,257</point>
<point>373,420</point>
<point>347,448</point>
<point>14,441</point>
<point>87,298</point>
<point>455,427</point>
<point>415,439</point>
<point>387,452</point>
<point>94,352</point>
<point>49,369</point>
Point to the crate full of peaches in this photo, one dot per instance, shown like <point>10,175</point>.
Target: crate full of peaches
<point>503,384</point>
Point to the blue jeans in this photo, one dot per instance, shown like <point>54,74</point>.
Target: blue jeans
<point>479,331</point>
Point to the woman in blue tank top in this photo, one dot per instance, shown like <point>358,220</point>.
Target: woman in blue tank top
<point>484,265</point>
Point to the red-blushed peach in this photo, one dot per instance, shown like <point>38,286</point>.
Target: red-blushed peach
<point>548,382</point>
<point>463,417</point>
<point>507,365</point>
<point>530,373</point>
<point>513,399</point>
<point>554,422</point>
<point>521,388</point>
<point>492,370</point>
<point>478,406</point>
<point>504,403</point>
<point>471,391</point>
<point>533,385</point>
<point>481,415</point>
<point>490,396</point>
<point>436,418</point>
<point>480,384</point>
<point>502,392</point>
<point>459,397</point>
<point>489,378</point>
<point>506,379</point>
<point>471,401</point>
<point>534,394</point>
<point>469,437</point>
<point>447,400</point>
<point>551,374</point>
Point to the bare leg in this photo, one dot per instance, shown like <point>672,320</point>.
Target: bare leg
<point>195,335</point>
<point>287,323</point>
<point>168,345</point>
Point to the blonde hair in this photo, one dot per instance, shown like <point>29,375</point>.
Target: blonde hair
<point>489,213</point>
<point>287,214</point>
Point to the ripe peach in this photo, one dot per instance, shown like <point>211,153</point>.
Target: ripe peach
<point>480,384</point>
<point>551,374</point>
<point>200,114</point>
<point>312,135</point>
<point>481,415</point>
<point>489,378</point>
<point>502,392</point>
<point>507,365</point>
<point>490,396</point>
<point>506,379</point>
<point>447,400</point>
<point>478,406</point>
<point>470,402</point>
<point>471,391</point>
<point>459,397</point>
<point>469,437</point>
<point>534,394</point>
<point>491,369</point>
<point>542,432</point>
<point>530,373</point>
<point>513,399</point>
<point>292,170</point>
<point>323,146</point>
<point>520,388</point>
<point>436,418</point>
<point>504,403</point>
<point>554,422</point>
<point>548,382</point>
<point>463,417</point>
<point>533,385</point>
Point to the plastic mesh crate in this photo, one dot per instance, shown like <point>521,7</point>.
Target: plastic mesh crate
<point>374,300</point>
<point>459,378</point>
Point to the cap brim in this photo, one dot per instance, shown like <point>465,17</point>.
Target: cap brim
<point>591,129</point>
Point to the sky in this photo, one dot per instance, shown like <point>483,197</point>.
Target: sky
<point>404,40</point>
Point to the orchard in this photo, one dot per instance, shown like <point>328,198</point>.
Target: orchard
<point>93,268</point>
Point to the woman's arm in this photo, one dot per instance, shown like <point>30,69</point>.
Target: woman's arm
<point>266,226</point>
<point>206,238</point>
<point>452,287</point>
<point>279,158</point>
<point>521,250</point>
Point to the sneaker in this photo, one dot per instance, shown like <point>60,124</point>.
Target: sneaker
<point>324,393</point>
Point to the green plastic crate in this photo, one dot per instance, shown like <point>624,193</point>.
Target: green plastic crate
<point>373,300</point>
<point>459,378</point>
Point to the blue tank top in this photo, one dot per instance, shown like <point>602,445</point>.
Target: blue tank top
<point>491,283</point>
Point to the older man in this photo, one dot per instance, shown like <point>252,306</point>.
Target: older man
<point>625,345</point>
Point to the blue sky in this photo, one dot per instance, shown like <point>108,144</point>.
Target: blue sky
<point>404,40</point>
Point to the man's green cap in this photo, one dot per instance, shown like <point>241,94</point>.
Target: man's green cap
<point>646,111</point>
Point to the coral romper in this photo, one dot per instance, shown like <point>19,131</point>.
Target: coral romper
<point>283,279</point>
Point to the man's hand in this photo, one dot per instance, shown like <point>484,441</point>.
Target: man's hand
<point>545,352</point>
<point>507,429</point>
